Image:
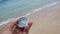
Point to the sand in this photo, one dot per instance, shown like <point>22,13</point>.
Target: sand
<point>46,21</point>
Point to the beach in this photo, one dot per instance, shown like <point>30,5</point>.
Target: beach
<point>46,21</point>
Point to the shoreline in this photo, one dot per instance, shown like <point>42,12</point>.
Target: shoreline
<point>52,4</point>
<point>45,21</point>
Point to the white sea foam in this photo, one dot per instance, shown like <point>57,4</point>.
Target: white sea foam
<point>52,4</point>
<point>40,8</point>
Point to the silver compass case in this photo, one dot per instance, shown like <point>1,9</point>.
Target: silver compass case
<point>22,22</point>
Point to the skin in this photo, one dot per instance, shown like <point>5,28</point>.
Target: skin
<point>11,28</point>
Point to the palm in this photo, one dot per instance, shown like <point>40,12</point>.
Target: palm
<point>11,28</point>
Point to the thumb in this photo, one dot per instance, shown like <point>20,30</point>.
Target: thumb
<point>11,24</point>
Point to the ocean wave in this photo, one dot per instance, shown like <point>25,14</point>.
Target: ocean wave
<point>41,8</point>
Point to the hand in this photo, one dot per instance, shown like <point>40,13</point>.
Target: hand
<point>11,28</point>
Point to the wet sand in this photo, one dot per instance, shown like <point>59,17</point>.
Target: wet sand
<point>46,21</point>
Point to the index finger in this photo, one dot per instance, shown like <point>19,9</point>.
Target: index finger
<point>27,27</point>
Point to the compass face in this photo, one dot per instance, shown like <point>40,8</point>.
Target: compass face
<point>22,22</point>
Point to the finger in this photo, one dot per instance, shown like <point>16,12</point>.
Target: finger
<point>21,33</point>
<point>30,23</point>
<point>17,30</point>
<point>25,33</point>
<point>13,28</point>
<point>26,29</point>
<point>11,24</point>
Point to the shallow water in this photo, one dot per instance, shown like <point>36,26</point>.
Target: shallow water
<point>15,8</point>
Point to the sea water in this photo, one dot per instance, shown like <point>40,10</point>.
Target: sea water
<point>16,8</point>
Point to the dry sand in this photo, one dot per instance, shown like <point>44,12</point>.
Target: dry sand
<point>46,21</point>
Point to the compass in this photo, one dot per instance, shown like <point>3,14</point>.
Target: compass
<point>22,22</point>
